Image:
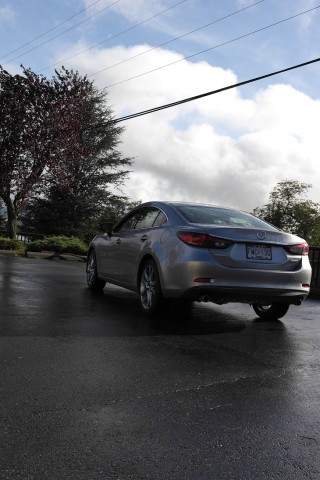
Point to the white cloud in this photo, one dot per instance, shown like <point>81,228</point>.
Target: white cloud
<point>133,11</point>
<point>7,15</point>
<point>224,148</point>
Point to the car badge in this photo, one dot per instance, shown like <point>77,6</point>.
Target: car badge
<point>261,235</point>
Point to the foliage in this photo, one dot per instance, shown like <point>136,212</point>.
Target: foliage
<point>116,209</point>
<point>289,210</point>
<point>55,133</point>
<point>72,201</point>
<point>2,219</point>
<point>61,213</point>
<point>315,236</point>
<point>12,244</point>
<point>59,244</point>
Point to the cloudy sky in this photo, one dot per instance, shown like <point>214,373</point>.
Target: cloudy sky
<point>229,148</point>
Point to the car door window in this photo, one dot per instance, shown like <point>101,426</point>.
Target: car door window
<point>128,223</point>
<point>143,218</point>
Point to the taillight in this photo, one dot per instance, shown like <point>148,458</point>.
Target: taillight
<point>298,249</point>
<point>203,240</point>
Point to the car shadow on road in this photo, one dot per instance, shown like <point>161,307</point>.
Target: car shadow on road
<point>121,313</point>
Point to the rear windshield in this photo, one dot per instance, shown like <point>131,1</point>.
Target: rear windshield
<point>207,215</point>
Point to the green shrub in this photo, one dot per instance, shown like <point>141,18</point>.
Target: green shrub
<point>59,244</point>
<point>12,244</point>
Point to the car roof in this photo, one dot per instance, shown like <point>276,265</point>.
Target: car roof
<point>174,203</point>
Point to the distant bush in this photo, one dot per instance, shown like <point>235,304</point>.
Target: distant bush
<point>12,244</point>
<point>59,244</point>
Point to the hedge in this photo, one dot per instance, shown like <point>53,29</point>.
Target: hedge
<point>59,244</point>
<point>13,245</point>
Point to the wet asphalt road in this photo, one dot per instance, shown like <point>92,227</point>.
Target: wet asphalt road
<point>90,389</point>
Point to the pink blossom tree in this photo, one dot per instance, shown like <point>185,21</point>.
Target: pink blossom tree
<point>45,132</point>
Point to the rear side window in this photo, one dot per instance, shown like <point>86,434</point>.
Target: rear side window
<point>148,218</point>
<point>160,220</point>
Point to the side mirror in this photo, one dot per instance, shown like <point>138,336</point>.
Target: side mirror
<point>106,227</point>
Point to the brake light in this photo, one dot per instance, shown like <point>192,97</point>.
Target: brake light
<point>203,240</point>
<point>298,249</point>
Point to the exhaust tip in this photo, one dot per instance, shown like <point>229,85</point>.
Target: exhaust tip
<point>204,298</point>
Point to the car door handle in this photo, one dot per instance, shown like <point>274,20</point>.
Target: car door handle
<point>144,238</point>
<point>118,242</point>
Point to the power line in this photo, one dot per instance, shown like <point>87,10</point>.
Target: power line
<point>212,48</point>
<point>62,33</point>
<point>114,36</point>
<point>176,38</point>
<point>202,95</point>
<point>150,49</point>
<point>50,30</point>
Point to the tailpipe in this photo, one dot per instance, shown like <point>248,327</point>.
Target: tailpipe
<point>204,298</point>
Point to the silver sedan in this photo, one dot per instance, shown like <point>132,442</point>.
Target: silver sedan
<point>187,252</point>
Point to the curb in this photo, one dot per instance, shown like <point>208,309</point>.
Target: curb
<point>45,255</point>
<point>57,256</point>
<point>8,253</point>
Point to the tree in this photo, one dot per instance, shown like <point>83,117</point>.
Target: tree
<point>49,135</point>
<point>289,210</point>
<point>1,216</point>
<point>23,104</point>
<point>315,237</point>
<point>61,212</point>
<point>76,195</point>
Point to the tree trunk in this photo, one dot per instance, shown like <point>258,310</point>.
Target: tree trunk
<point>12,218</point>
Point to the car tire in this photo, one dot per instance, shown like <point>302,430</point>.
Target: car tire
<point>271,312</point>
<point>94,282</point>
<point>150,296</point>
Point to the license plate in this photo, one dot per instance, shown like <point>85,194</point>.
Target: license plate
<point>259,252</point>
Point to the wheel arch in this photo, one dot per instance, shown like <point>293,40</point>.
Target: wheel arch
<point>91,247</point>
<point>143,260</point>
<point>93,279</point>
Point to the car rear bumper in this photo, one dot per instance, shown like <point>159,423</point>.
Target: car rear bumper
<point>223,295</point>
<point>220,284</point>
